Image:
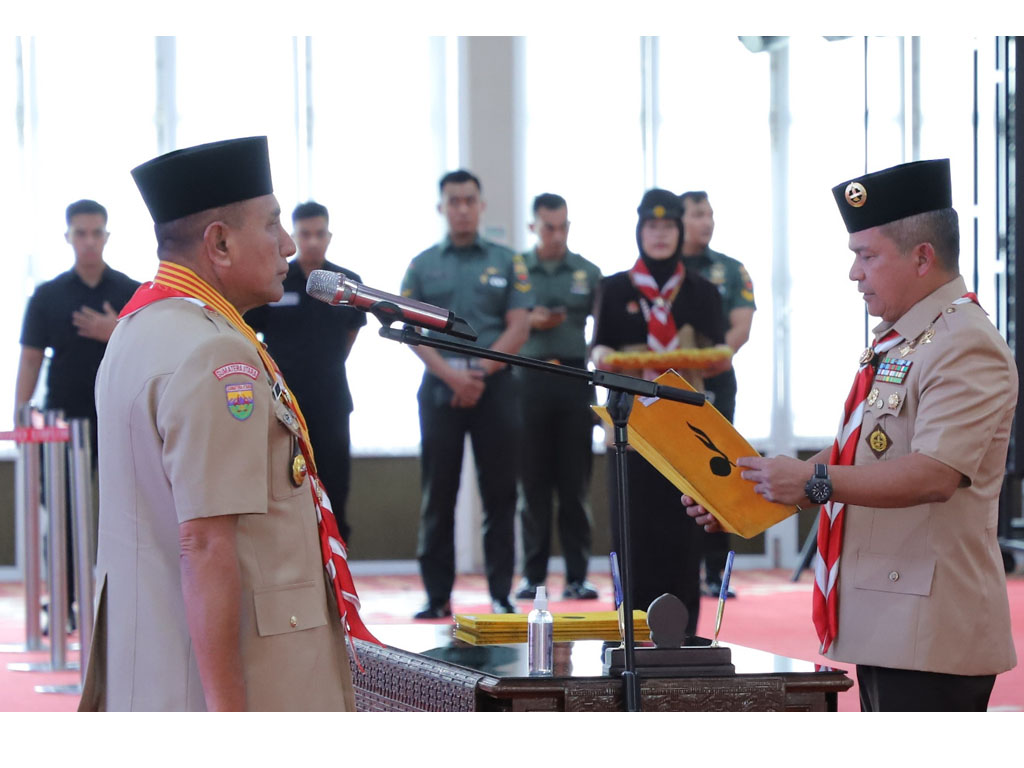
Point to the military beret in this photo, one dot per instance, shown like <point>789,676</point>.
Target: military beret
<point>660,204</point>
<point>893,194</point>
<point>196,179</point>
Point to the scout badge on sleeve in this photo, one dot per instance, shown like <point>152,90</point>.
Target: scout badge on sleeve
<point>239,397</point>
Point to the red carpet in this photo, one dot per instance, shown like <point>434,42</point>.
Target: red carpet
<point>770,613</point>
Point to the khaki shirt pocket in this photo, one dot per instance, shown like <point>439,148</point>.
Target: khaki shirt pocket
<point>894,573</point>
<point>882,410</point>
<point>289,608</point>
<point>889,401</point>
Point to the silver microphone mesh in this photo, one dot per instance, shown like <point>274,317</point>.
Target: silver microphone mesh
<point>323,284</point>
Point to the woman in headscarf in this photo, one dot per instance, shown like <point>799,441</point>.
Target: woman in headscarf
<point>656,306</point>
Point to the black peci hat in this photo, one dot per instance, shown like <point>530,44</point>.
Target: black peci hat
<point>659,204</point>
<point>893,194</point>
<point>196,179</point>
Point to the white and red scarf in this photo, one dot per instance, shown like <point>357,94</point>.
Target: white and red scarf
<point>176,281</point>
<point>661,325</point>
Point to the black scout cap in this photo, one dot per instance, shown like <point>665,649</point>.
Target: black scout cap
<point>660,204</point>
<point>893,194</point>
<point>196,179</point>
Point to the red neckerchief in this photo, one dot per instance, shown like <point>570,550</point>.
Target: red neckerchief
<point>176,281</point>
<point>661,325</point>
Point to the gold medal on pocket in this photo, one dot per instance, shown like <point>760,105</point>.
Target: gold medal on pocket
<point>298,464</point>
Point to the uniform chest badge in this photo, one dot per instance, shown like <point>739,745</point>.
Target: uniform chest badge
<point>873,396</point>
<point>240,400</point>
<point>717,274</point>
<point>632,308</point>
<point>878,441</point>
<point>893,370</point>
<point>580,286</point>
<point>894,401</point>
<point>298,465</point>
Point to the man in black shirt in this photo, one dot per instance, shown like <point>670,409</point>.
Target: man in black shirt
<point>310,341</point>
<point>74,315</point>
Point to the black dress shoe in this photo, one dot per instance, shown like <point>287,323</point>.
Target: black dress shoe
<point>579,590</point>
<point>527,590</point>
<point>502,606</point>
<point>714,589</point>
<point>435,611</point>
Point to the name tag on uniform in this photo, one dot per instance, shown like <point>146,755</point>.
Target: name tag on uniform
<point>290,299</point>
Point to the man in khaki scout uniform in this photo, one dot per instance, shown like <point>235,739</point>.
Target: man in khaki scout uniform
<point>212,587</point>
<point>922,607</point>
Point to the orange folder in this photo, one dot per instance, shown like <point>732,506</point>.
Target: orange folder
<point>696,449</point>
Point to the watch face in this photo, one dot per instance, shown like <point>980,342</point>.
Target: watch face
<point>819,490</point>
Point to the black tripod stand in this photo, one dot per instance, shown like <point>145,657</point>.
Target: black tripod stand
<point>620,402</point>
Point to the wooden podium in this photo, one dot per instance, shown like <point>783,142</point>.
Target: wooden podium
<point>423,668</point>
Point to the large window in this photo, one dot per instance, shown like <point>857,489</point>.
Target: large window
<point>377,154</point>
<point>366,125</point>
<point>583,140</point>
<point>79,117</point>
<point>713,135</point>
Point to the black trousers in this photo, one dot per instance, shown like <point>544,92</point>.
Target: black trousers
<point>332,451</point>
<point>493,427</point>
<point>665,544</point>
<point>906,690</point>
<point>715,546</point>
<point>558,428</point>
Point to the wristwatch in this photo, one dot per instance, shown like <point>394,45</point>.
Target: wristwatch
<point>819,487</point>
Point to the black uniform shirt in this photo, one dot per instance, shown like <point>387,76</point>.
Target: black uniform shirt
<point>306,337</point>
<point>620,319</point>
<point>72,374</point>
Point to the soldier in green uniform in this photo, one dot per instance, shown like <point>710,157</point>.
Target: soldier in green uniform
<point>558,424</point>
<point>487,285</point>
<point>737,292</point>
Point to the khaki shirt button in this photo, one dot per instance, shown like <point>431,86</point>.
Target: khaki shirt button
<point>893,576</point>
<point>295,622</point>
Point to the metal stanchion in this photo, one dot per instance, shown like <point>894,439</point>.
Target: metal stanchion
<point>55,469</point>
<point>26,501</point>
<point>82,529</point>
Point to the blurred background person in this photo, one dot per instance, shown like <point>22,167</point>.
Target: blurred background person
<point>558,425</point>
<point>735,287</point>
<point>657,305</point>
<point>311,341</point>
<point>73,315</point>
<point>487,285</point>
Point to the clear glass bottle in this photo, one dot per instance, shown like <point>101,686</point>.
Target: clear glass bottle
<point>540,635</point>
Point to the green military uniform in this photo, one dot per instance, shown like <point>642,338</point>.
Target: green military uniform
<point>735,287</point>
<point>480,283</point>
<point>557,421</point>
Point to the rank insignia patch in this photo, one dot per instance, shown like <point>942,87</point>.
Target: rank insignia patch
<point>240,400</point>
<point>893,370</point>
<point>878,442</point>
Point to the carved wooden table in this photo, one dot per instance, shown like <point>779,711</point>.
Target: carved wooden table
<point>423,668</point>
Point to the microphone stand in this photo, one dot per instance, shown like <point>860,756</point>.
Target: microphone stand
<point>621,390</point>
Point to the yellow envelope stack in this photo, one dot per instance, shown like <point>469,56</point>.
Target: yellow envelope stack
<point>696,449</point>
<point>489,629</point>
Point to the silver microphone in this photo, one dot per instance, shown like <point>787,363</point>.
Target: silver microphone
<point>335,289</point>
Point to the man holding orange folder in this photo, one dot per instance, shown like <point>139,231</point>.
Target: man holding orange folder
<point>909,581</point>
